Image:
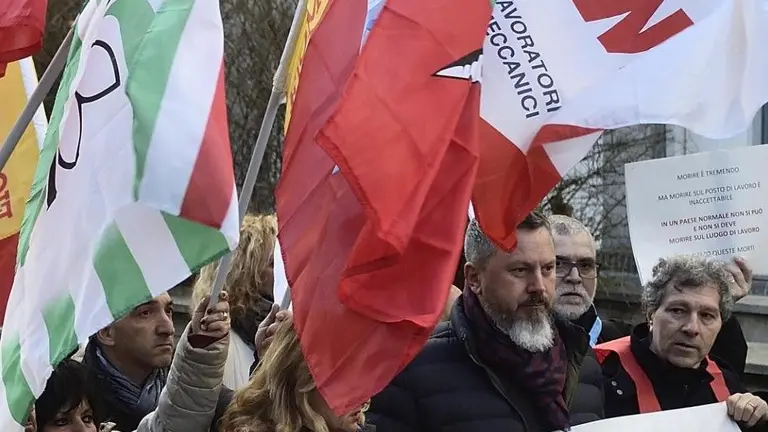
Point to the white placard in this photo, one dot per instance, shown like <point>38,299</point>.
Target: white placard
<point>712,204</point>
<point>704,418</point>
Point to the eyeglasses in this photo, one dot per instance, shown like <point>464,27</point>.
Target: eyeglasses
<point>587,269</point>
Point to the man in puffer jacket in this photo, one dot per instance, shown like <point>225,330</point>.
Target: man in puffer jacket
<point>502,362</point>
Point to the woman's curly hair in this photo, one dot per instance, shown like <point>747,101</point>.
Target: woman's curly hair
<point>252,257</point>
<point>277,399</point>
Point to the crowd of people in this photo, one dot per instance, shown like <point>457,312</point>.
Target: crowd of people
<point>521,348</point>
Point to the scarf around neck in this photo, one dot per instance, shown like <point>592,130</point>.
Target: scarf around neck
<point>541,375</point>
<point>142,399</point>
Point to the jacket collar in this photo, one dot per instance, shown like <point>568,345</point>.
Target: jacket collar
<point>587,319</point>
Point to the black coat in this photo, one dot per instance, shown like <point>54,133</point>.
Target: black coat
<point>674,387</point>
<point>730,346</point>
<point>446,388</point>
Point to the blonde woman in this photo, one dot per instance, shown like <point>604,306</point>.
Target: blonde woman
<point>282,396</point>
<point>249,284</point>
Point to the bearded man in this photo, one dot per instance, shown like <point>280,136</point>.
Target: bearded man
<point>502,362</point>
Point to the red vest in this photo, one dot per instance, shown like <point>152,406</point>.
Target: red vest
<point>646,396</point>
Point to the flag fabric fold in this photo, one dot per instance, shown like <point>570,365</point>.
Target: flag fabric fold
<point>16,178</point>
<point>22,23</point>
<point>134,190</point>
<point>555,75</point>
<point>359,254</point>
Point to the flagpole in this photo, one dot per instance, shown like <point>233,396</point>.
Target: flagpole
<point>36,99</point>
<point>278,89</point>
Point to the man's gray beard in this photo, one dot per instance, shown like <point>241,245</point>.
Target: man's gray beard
<point>570,312</point>
<point>533,331</point>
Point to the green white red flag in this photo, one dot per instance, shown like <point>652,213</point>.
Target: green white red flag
<point>134,190</point>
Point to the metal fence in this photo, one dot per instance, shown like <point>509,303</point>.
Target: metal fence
<point>255,31</point>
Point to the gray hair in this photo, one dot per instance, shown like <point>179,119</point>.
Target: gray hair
<point>685,271</point>
<point>478,248</point>
<point>567,226</point>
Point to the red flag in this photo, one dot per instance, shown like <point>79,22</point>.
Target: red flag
<point>360,254</point>
<point>22,23</point>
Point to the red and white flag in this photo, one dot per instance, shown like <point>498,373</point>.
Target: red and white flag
<point>555,74</point>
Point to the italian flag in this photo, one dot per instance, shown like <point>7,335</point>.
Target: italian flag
<point>134,190</point>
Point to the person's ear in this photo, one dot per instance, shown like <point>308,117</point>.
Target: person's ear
<point>106,336</point>
<point>472,277</point>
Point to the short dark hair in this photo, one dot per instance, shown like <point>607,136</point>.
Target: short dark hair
<point>65,390</point>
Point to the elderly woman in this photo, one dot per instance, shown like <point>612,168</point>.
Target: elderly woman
<point>664,364</point>
<point>249,284</point>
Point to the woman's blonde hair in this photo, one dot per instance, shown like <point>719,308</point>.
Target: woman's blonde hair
<point>277,399</point>
<point>250,260</point>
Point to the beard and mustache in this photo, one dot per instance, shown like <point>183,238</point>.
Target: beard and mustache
<point>530,326</point>
<point>567,309</point>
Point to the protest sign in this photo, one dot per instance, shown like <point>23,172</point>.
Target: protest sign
<point>710,204</point>
<point>704,418</point>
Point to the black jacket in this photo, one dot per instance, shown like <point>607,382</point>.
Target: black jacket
<point>447,389</point>
<point>674,387</point>
<point>730,346</point>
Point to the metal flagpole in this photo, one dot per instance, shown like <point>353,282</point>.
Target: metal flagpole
<point>43,87</point>
<point>278,89</point>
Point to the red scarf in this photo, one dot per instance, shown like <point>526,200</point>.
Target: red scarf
<point>541,375</point>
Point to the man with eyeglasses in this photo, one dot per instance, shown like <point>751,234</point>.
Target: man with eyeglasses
<point>577,270</point>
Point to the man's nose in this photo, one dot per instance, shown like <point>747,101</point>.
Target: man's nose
<point>692,326</point>
<point>536,284</point>
<point>573,277</point>
<point>165,325</point>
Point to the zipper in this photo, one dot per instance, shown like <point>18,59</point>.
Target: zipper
<point>495,381</point>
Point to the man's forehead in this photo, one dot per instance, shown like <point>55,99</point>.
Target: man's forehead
<point>577,246</point>
<point>532,246</point>
<point>707,294</point>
